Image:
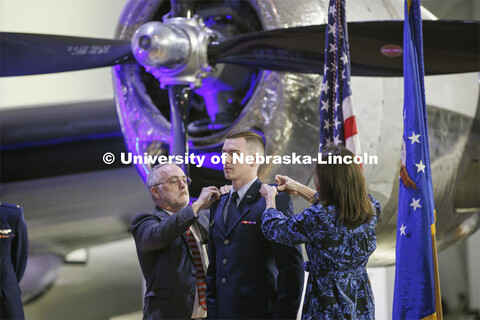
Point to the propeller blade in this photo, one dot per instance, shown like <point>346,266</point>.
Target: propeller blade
<point>448,47</point>
<point>179,97</point>
<point>295,49</point>
<point>375,48</point>
<point>28,54</point>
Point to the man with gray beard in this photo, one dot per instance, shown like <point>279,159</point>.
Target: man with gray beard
<point>171,246</point>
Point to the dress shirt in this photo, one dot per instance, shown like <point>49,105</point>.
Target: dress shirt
<point>241,193</point>
<point>198,311</point>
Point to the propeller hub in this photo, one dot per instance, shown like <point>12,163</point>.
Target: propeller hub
<point>174,51</point>
<point>156,45</point>
<point>145,42</point>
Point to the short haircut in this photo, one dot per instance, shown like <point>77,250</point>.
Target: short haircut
<point>252,139</point>
<point>153,176</point>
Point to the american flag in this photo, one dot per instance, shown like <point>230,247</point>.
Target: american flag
<point>337,118</point>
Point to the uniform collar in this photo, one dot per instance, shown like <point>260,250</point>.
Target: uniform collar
<point>243,190</point>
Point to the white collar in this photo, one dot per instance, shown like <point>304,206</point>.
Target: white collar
<point>169,212</point>
<point>243,190</point>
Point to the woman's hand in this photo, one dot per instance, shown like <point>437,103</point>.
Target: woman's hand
<point>268,193</point>
<point>287,184</point>
<point>295,188</point>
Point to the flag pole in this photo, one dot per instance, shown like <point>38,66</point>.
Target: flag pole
<point>436,278</point>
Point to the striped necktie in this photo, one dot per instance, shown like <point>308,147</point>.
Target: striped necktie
<point>199,270</point>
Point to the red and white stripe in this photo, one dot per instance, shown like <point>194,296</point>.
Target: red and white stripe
<point>352,141</point>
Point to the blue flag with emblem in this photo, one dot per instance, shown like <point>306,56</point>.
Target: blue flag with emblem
<point>414,292</point>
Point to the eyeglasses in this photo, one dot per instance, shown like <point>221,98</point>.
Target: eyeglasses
<point>174,182</point>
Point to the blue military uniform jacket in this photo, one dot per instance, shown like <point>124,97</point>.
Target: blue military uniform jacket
<point>249,277</point>
<point>166,261</point>
<point>14,253</point>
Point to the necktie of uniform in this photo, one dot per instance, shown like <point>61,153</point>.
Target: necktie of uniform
<point>232,207</point>
<point>199,270</point>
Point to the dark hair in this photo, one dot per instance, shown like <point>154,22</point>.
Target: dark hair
<point>250,136</point>
<point>343,185</point>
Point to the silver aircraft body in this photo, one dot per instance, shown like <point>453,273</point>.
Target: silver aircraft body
<point>75,211</point>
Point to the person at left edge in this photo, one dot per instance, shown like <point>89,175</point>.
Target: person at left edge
<point>14,254</point>
<point>170,246</point>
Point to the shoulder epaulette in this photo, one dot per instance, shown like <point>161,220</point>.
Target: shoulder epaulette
<point>9,205</point>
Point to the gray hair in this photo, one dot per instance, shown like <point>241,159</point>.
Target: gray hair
<point>154,176</point>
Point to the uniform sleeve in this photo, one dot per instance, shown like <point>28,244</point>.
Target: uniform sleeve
<point>152,233</point>
<point>20,247</point>
<point>289,262</point>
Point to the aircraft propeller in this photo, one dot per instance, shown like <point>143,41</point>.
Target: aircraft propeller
<point>449,47</point>
<point>25,54</point>
<point>181,51</point>
<point>179,95</point>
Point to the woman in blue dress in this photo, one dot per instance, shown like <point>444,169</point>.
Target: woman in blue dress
<point>339,235</point>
